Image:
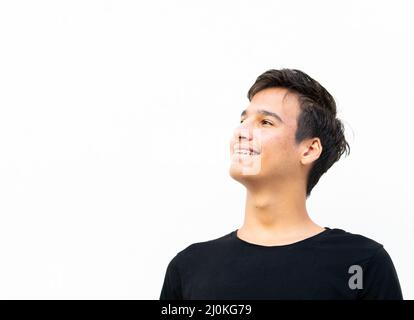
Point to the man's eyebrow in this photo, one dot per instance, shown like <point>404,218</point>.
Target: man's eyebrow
<point>265,113</point>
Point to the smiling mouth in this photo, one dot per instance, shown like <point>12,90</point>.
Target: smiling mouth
<point>246,152</point>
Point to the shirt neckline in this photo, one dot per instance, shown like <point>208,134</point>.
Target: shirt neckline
<point>293,244</point>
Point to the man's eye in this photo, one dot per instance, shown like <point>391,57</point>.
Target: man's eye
<point>263,121</point>
<point>267,122</point>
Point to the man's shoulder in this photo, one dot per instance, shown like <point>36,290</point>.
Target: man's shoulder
<point>340,237</point>
<point>208,244</point>
<point>200,249</point>
<point>345,243</point>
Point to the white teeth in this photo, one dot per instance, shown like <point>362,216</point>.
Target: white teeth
<point>245,152</point>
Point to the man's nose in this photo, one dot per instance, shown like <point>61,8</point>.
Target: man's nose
<point>245,131</point>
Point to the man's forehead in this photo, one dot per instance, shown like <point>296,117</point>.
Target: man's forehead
<point>277,100</point>
<point>276,95</point>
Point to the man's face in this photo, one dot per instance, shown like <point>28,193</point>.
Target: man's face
<point>271,154</point>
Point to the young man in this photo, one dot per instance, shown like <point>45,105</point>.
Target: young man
<point>288,138</point>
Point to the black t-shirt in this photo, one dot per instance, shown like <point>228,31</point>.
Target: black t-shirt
<point>333,264</point>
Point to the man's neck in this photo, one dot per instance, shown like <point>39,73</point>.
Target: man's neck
<point>276,216</point>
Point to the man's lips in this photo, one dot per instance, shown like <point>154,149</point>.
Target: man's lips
<point>239,148</point>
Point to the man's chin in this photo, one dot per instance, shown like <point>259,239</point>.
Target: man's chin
<point>242,173</point>
<point>245,166</point>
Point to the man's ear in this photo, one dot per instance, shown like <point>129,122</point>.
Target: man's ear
<point>311,151</point>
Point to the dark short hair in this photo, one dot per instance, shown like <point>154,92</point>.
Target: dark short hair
<point>317,117</point>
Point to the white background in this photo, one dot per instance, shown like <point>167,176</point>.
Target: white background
<point>115,118</point>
